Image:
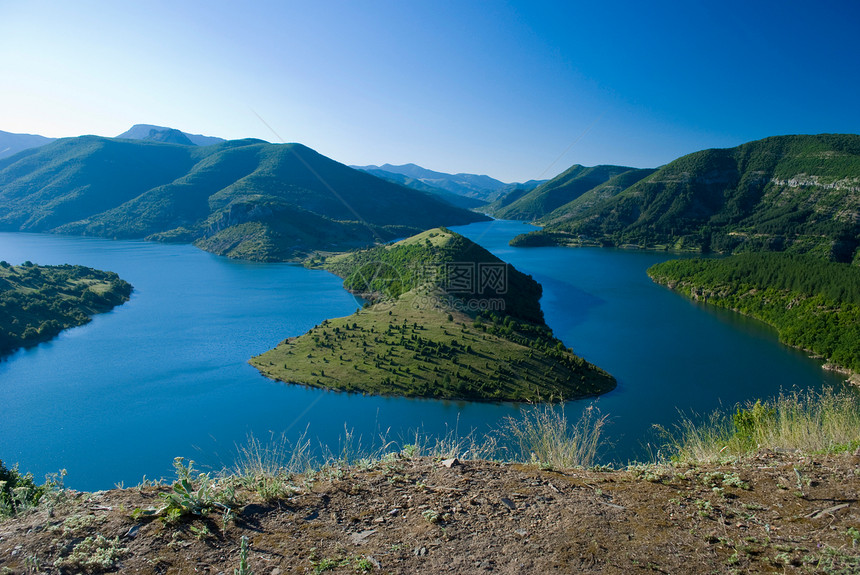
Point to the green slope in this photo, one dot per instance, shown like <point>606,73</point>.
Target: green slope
<point>431,333</point>
<point>282,200</point>
<point>814,304</point>
<point>564,188</point>
<point>795,193</point>
<point>38,302</point>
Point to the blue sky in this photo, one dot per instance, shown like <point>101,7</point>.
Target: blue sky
<point>516,90</point>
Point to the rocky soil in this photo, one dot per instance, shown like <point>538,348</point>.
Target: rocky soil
<point>773,513</point>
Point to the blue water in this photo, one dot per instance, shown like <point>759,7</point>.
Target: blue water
<point>166,374</point>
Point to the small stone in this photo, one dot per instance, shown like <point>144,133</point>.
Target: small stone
<point>360,538</point>
<point>449,463</point>
<point>373,561</point>
<point>132,533</point>
<point>394,512</point>
<point>521,532</point>
<point>276,571</point>
<point>508,503</point>
<point>420,551</point>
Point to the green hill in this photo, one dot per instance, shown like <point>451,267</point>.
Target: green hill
<point>243,198</point>
<point>38,302</point>
<point>564,188</point>
<point>447,319</point>
<point>814,304</point>
<point>785,193</point>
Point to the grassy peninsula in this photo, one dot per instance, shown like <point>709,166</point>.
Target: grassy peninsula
<point>814,304</point>
<point>38,302</point>
<point>434,330</point>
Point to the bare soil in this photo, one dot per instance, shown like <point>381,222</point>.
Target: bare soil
<point>773,513</point>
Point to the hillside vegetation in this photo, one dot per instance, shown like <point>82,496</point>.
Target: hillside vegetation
<point>429,334</point>
<point>38,302</point>
<point>551,195</point>
<point>786,193</point>
<point>244,198</point>
<point>814,304</point>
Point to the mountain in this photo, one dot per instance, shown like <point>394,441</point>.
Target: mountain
<point>450,197</point>
<point>163,134</point>
<point>783,193</point>
<point>448,320</point>
<point>11,144</point>
<point>169,136</point>
<point>483,188</point>
<point>245,198</point>
<point>564,188</point>
<point>598,194</point>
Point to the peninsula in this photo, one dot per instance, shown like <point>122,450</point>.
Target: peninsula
<point>38,302</point>
<point>444,319</point>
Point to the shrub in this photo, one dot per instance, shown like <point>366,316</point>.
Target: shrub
<point>17,491</point>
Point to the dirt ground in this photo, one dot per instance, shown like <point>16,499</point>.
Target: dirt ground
<point>774,513</point>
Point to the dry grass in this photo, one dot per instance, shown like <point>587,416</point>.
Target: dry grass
<point>545,436</point>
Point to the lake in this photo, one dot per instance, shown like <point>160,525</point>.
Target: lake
<point>166,374</point>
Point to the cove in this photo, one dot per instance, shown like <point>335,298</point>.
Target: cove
<point>166,374</point>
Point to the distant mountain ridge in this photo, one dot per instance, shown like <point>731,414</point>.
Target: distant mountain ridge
<point>465,202</point>
<point>11,144</point>
<point>244,198</point>
<point>796,193</point>
<point>171,135</point>
<point>480,187</point>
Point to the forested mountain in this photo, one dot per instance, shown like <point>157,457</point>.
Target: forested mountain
<point>243,198</point>
<point>793,193</point>
<point>482,188</point>
<point>11,144</point>
<point>564,188</point>
<point>440,325</point>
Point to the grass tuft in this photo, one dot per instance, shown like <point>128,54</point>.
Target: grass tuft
<point>810,422</point>
<point>545,436</point>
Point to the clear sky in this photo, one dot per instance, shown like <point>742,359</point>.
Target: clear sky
<point>516,90</point>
